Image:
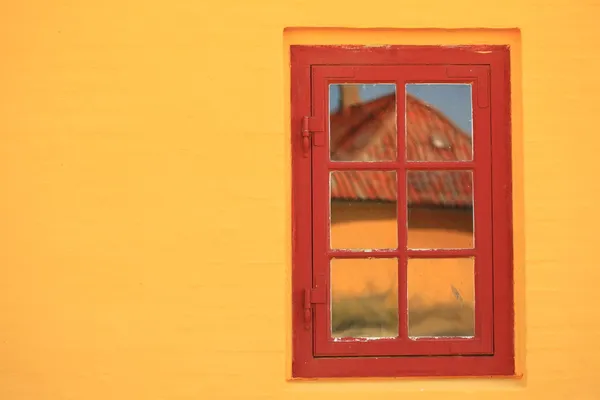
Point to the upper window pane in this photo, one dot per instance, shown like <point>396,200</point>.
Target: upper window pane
<point>362,122</point>
<point>439,122</point>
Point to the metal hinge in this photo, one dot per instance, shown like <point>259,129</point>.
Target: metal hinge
<point>311,129</point>
<point>312,296</point>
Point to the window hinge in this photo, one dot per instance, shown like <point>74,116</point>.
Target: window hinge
<point>311,129</point>
<point>312,296</point>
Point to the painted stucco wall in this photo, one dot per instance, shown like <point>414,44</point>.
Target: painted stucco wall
<point>145,195</point>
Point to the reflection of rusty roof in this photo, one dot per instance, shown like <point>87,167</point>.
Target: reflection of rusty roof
<point>367,132</point>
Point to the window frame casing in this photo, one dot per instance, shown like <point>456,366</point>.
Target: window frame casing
<point>305,60</point>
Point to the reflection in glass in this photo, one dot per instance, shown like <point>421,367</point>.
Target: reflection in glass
<point>439,122</point>
<point>440,209</point>
<point>441,297</point>
<point>363,210</point>
<point>364,297</point>
<point>363,117</point>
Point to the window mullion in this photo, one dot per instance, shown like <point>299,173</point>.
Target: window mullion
<point>401,212</point>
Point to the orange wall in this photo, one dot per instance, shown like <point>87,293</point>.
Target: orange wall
<point>145,176</point>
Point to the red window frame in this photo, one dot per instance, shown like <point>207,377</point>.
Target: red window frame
<point>491,351</point>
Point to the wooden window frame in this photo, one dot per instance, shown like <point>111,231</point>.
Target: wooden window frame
<point>491,352</point>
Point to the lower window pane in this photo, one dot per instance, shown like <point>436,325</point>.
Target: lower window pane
<point>364,298</point>
<point>441,297</point>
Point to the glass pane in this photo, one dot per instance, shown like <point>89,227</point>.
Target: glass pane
<point>362,122</point>
<point>363,210</point>
<point>364,297</point>
<point>441,297</point>
<point>439,122</point>
<point>440,209</point>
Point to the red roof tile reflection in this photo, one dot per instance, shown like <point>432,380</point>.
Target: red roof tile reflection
<point>367,132</point>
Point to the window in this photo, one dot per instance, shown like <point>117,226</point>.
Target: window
<point>402,243</point>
